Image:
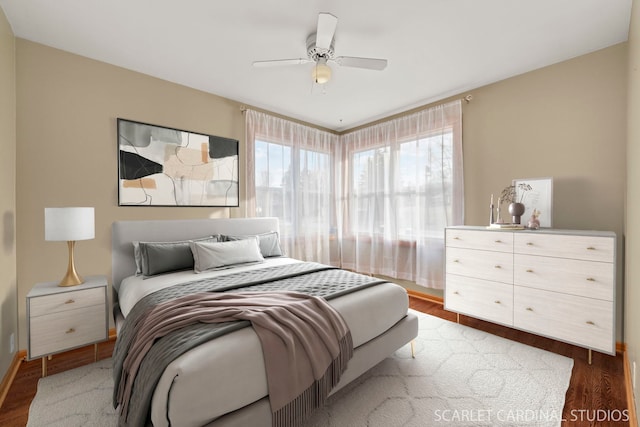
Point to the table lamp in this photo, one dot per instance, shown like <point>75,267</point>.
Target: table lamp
<point>69,224</point>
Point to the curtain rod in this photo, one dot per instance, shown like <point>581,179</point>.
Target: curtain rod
<point>467,99</point>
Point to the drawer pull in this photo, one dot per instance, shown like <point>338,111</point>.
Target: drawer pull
<point>70,331</point>
<point>529,244</point>
<point>529,270</point>
<point>591,248</point>
<point>589,322</point>
<point>456,238</point>
<point>497,266</point>
<point>529,309</point>
<point>497,301</point>
<point>498,241</point>
<point>456,260</point>
<point>456,293</point>
<point>70,301</point>
<point>591,279</point>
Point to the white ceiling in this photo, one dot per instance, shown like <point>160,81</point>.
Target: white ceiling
<point>435,48</point>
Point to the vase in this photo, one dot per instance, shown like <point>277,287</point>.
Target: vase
<point>516,210</point>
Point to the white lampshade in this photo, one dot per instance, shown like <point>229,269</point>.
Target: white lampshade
<point>321,73</point>
<point>69,224</point>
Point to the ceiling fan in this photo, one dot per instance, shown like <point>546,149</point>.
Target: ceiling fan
<point>320,49</point>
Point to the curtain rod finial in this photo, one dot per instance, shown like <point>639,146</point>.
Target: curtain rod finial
<point>468,98</point>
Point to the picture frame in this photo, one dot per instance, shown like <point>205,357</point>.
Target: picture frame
<point>164,166</point>
<point>540,198</point>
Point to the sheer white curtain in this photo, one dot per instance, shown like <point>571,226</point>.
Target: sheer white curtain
<point>291,174</point>
<point>402,184</point>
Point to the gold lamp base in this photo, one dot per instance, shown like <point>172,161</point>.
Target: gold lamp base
<point>72,278</point>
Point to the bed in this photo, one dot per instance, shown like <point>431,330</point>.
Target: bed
<point>222,382</point>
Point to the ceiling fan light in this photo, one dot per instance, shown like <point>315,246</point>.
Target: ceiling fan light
<point>321,73</point>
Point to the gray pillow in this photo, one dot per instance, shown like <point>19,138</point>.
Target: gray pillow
<point>154,258</point>
<point>212,255</point>
<point>269,242</point>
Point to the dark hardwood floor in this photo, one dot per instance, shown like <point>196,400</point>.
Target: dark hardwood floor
<point>596,392</point>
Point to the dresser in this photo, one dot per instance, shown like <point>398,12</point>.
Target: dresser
<point>556,283</point>
<point>63,318</point>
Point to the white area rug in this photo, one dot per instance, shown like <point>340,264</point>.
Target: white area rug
<point>460,377</point>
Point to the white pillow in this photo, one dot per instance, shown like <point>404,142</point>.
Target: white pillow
<point>210,255</point>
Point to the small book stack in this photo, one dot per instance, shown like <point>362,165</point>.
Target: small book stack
<point>506,226</point>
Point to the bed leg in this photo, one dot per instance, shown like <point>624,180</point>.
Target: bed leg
<point>413,349</point>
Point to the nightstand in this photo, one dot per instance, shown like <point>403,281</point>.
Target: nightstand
<point>64,318</point>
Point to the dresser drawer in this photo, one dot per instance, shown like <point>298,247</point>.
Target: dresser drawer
<point>54,303</point>
<point>583,321</point>
<point>476,239</point>
<point>494,266</point>
<point>480,298</point>
<point>569,276</point>
<point>589,248</point>
<point>66,330</point>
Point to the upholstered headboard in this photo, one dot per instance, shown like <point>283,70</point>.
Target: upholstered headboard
<point>123,233</point>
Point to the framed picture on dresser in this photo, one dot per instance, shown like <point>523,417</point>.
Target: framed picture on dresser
<point>162,166</point>
<point>538,198</point>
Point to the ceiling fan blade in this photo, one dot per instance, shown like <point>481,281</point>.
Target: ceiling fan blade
<point>368,63</point>
<point>281,62</point>
<point>326,29</point>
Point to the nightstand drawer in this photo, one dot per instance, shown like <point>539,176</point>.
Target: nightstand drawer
<point>65,330</point>
<point>48,304</point>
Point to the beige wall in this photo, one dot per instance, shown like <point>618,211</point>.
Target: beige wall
<point>632,279</point>
<point>566,121</point>
<point>8,301</point>
<point>67,156</point>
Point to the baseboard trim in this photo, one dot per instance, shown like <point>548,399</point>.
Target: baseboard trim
<point>425,297</point>
<point>631,404</point>
<point>621,347</point>
<point>18,358</point>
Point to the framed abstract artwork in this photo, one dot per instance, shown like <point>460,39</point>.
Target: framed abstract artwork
<point>161,166</point>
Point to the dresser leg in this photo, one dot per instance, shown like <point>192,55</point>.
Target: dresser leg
<point>95,352</point>
<point>44,366</point>
<point>458,317</point>
<point>413,349</point>
<point>589,356</point>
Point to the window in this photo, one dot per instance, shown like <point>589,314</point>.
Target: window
<point>295,185</point>
<point>396,183</point>
<point>375,200</point>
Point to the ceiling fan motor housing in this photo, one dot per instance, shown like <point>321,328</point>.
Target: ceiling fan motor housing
<point>315,53</point>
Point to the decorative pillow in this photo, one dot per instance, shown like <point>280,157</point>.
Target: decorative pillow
<point>154,258</point>
<point>269,242</point>
<point>209,255</point>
